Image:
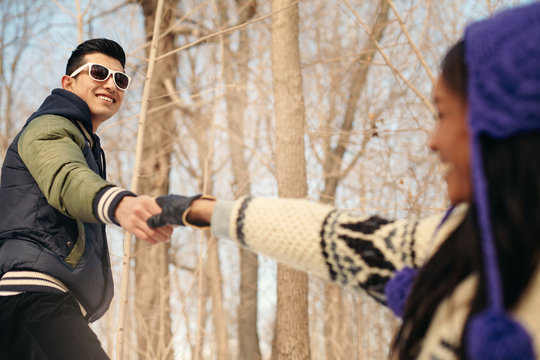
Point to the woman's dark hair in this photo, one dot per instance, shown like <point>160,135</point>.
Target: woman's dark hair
<point>454,69</point>
<point>512,170</point>
<point>105,46</point>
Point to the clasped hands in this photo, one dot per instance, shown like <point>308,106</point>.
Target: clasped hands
<point>183,210</point>
<point>152,219</point>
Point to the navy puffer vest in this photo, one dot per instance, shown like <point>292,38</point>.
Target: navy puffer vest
<point>35,236</point>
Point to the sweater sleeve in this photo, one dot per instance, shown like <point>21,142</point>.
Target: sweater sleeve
<point>343,246</point>
<point>51,148</point>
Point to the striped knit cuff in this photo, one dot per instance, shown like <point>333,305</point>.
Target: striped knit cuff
<point>17,282</point>
<point>31,281</point>
<point>106,201</point>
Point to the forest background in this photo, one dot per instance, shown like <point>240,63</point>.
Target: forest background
<point>328,100</point>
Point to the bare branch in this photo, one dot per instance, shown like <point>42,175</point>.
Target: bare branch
<point>64,9</point>
<point>398,73</point>
<point>226,31</point>
<point>175,98</point>
<point>411,42</point>
<point>109,11</point>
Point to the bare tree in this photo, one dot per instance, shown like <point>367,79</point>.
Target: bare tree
<point>333,171</point>
<point>235,73</point>
<point>152,280</point>
<point>292,337</point>
<point>17,29</point>
<point>78,15</point>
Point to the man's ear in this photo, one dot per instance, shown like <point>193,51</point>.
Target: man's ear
<point>67,83</point>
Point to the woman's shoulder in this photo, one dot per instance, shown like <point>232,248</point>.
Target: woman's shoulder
<point>527,310</point>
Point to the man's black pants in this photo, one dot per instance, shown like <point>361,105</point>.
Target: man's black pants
<point>45,326</point>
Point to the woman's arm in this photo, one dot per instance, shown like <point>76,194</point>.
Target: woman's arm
<point>343,246</point>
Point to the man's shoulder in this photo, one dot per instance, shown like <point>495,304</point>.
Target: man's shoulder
<point>51,121</point>
<point>49,127</point>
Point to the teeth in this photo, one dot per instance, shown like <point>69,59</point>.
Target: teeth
<point>106,98</point>
<point>445,168</point>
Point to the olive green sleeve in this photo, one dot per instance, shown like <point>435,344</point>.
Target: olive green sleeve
<point>51,148</point>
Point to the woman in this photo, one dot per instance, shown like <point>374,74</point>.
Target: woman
<point>474,270</point>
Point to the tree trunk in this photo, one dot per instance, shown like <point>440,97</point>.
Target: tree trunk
<point>212,277</point>
<point>202,314</point>
<point>333,320</point>
<point>152,282</point>
<point>235,67</point>
<point>292,337</point>
<point>213,273</point>
<point>248,337</point>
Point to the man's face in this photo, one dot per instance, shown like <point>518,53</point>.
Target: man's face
<point>451,141</point>
<point>103,97</point>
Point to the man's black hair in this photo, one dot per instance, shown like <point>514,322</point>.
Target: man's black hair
<point>105,46</point>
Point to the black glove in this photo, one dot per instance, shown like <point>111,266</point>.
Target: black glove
<point>174,211</point>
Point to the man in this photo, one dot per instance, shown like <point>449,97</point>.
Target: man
<point>54,205</point>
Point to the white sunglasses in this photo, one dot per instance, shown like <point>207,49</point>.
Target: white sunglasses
<point>101,73</point>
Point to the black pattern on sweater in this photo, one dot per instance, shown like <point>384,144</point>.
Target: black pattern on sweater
<point>240,220</point>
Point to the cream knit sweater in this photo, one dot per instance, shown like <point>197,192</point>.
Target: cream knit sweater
<point>358,252</point>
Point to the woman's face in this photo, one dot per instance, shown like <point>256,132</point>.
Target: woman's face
<point>451,142</point>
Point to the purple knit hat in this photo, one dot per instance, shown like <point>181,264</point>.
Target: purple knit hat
<point>502,54</point>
